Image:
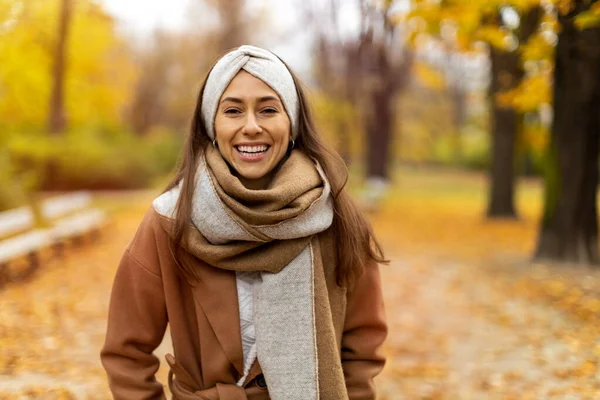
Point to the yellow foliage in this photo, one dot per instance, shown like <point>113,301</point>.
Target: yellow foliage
<point>537,138</point>
<point>532,92</point>
<point>338,121</point>
<point>467,17</point>
<point>430,13</point>
<point>464,42</point>
<point>413,38</point>
<point>99,75</point>
<point>24,80</point>
<point>524,5</point>
<point>537,48</point>
<point>429,76</point>
<point>549,24</point>
<point>494,35</point>
<point>564,6</point>
<point>8,8</point>
<point>428,17</point>
<point>102,72</point>
<point>590,18</point>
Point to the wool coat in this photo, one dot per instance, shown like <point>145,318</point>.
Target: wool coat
<point>149,292</point>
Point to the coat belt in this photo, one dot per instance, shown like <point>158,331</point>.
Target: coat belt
<point>183,386</point>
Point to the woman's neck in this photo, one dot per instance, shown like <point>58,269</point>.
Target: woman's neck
<point>256,184</point>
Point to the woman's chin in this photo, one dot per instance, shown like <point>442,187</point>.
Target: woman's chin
<point>253,175</point>
<point>253,169</point>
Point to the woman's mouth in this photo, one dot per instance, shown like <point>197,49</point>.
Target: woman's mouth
<point>252,152</point>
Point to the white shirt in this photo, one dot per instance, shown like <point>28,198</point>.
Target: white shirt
<point>245,289</point>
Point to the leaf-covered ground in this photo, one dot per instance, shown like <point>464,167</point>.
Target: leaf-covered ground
<point>470,316</point>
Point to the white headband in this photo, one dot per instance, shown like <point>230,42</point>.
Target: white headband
<point>262,64</point>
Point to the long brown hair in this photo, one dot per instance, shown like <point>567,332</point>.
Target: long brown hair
<point>355,242</point>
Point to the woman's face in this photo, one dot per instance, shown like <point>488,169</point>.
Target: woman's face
<point>252,129</point>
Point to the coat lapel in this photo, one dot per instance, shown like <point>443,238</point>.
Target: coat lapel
<point>216,295</point>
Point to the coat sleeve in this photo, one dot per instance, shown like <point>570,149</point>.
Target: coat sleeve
<point>365,329</point>
<point>137,322</point>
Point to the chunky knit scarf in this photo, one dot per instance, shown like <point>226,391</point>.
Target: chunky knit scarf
<point>273,231</point>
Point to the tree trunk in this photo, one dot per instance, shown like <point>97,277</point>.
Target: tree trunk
<point>504,126</point>
<point>506,74</point>
<point>57,119</point>
<point>569,228</point>
<point>379,131</point>
<point>459,102</point>
<point>384,79</point>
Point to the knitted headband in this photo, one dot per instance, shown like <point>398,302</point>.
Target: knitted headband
<point>262,64</point>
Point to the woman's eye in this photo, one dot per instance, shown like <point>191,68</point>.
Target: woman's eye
<point>270,110</point>
<point>232,111</point>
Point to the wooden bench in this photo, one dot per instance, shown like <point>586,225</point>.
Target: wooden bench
<point>69,216</point>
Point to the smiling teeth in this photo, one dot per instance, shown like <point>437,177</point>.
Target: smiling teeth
<point>253,149</point>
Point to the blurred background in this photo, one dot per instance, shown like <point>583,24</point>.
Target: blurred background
<point>471,130</point>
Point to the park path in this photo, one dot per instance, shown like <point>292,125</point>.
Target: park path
<point>459,333</point>
<point>456,332</point>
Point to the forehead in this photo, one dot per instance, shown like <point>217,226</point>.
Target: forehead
<point>246,85</point>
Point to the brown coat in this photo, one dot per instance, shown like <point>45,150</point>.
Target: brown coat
<point>150,292</point>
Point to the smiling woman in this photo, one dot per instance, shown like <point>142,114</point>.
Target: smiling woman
<point>252,130</point>
<point>255,256</point>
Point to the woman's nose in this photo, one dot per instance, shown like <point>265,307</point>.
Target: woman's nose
<point>252,127</point>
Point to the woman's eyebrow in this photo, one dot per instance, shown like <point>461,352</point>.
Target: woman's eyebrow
<point>260,99</point>
<point>267,98</point>
<point>232,99</point>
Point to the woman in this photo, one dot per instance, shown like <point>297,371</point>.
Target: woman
<point>255,255</point>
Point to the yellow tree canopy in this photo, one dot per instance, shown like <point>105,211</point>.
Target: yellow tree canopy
<point>466,23</point>
<point>100,71</point>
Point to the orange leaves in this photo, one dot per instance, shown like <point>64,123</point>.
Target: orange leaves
<point>556,288</point>
<point>585,369</point>
<point>445,211</point>
<point>42,393</point>
<point>52,327</point>
<point>470,316</point>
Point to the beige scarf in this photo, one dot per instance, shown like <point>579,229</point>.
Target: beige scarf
<point>273,231</point>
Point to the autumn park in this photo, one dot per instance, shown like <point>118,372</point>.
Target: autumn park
<point>471,130</point>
